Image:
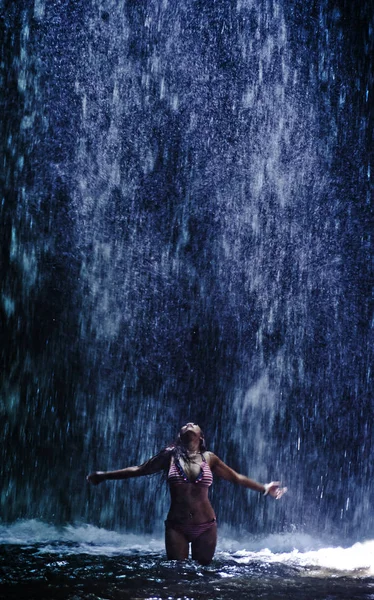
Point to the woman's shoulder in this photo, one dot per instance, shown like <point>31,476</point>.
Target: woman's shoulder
<point>167,454</point>
<point>210,457</point>
<point>162,459</point>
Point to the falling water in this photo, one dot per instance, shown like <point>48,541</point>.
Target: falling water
<point>187,235</point>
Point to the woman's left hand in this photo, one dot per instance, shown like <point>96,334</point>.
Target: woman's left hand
<point>274,490</point>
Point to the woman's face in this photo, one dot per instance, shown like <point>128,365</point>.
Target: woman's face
<point>189,430</point>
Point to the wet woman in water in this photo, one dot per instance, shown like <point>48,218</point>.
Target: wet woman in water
<point>190,469</point>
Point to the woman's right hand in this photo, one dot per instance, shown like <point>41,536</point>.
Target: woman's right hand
<point>96,477</point>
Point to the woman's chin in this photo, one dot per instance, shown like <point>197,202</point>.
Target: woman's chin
<point>189,435</point>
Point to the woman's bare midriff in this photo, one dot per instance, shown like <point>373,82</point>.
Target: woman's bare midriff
<point>190,504</point>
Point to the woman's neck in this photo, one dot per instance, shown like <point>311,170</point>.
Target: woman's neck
<point>193,449</point>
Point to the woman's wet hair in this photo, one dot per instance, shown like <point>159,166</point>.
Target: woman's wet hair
<point>178,450</point>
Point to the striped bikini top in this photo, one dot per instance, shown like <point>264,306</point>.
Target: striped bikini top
<point>176,474</point>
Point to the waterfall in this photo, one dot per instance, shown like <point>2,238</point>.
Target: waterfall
<point>186,235</point>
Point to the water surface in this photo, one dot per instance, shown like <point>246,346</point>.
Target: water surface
<point>86,562</point>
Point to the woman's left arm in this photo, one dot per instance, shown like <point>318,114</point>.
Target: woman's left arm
<point>218,467</point>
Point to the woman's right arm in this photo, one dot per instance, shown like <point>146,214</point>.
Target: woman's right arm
<point>153,465</point>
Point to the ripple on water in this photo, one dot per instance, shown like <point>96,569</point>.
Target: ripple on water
<point>71,565</point>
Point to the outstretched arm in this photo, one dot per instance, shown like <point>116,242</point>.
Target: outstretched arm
<point>219,468</point>
<point>153,465</point>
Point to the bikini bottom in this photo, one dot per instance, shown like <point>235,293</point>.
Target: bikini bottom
<point>190,531</point>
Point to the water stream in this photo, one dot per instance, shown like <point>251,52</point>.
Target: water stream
<point>187,234</point>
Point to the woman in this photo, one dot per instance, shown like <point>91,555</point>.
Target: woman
<point>190,470</point>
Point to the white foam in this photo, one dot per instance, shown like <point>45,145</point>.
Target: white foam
<point>300,551</point>
<point>354,560</point>
<point>86,539</point>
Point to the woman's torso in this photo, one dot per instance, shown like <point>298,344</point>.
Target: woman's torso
<point>189,483</point>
